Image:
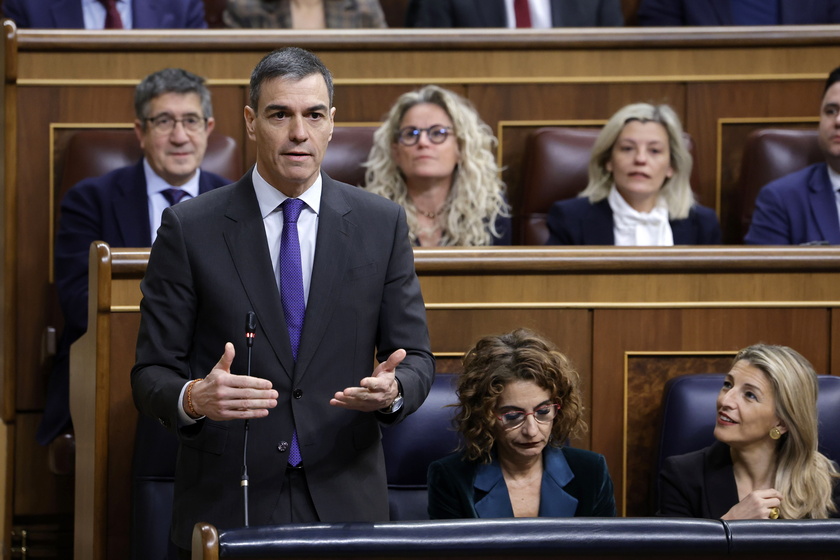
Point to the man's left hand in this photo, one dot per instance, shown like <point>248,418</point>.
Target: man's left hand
<point>375,392</point>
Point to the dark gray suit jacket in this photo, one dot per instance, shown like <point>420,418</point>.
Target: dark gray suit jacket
<point>719,12</point>
<point>491,13</point>
<point>209,266</point>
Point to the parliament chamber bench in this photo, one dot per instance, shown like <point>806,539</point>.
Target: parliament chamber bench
<point>630,319</point>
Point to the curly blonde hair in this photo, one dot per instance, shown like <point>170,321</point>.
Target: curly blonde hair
<point>677,190</point>
<point>804,476</point>
<point>477,195</point>
<point>496,361</point>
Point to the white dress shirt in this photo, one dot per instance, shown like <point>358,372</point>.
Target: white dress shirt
<point>639,229</point>
<point>155,185</point>
<point>540,14</point>
<point>94,13</point>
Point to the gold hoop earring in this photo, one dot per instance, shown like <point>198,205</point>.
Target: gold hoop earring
<point>775,433</point>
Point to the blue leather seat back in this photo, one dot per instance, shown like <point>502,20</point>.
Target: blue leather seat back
<point>423,437</point>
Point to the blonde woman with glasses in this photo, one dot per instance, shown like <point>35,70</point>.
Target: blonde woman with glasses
<point>434,156</point>
<point>519,403</point>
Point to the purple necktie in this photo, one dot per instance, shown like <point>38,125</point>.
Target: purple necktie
<point>112,15</point>
<point>174,196</point>
<point>291,290</point>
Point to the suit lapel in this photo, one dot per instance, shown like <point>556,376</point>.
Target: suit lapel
<point>490,482</point>
<point>245,238</point>
<point>332,246</point>
<point>554,500</point>
<point>599,227</point>
<point>822,200</point>
<point>492,14</point>
<point>68,14</point>
<point>131,209</point>
<point>150,14</point>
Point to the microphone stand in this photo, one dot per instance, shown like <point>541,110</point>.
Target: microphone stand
<point>250,328</point>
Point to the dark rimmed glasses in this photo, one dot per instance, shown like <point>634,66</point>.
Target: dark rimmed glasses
<point>165,123</point>
<point>410,135</point>
<point>514,418</point>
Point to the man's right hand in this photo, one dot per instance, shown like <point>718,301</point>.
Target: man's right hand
<point>225,396</point>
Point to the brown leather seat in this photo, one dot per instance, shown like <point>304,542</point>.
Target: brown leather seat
<point>348,150</point>
<point>771,153</point>
<point>556,167</point>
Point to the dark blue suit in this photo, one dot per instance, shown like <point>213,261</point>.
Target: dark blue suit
<point>113,208</point>
<point>67,14</point>
<point>575,483</point>
<point>797,208</point>
<point>577,221</point>
<point>491,13</point>
<point>718,12</point>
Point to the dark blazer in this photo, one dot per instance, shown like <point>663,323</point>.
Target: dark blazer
<point>702,484</point>
<point>575,483</point>
<point>718,12</point>
<point>491,13</point>
<point>113,208</point>
<point>794,209</point>
<point>208,268</point>
<point>67,14</point>
<point>577,221</point>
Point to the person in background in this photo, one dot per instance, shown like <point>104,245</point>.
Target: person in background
<point>737,12</point>
<point>514,13</point>
<point>106,14</point>
<point>801,208</point>
<point>174,119</point>
<point>638,192</point>
<point>518,404</point>
<point>303,14</point>
<point>765,463</point>
<point>434,156</point>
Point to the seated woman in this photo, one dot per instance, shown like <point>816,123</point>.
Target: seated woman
<point>765,464</point>
<point>434,156</point>
<point>519,402</point>
<point>638,192</point>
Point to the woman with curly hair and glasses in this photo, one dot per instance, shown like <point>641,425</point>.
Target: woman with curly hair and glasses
<point>519,402</point>
<point>434,156</point>
<point>765,463</point>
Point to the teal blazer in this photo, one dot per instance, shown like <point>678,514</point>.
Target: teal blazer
<point>575,483</point>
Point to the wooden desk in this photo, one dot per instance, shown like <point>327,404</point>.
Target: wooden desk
<point>629,319</point>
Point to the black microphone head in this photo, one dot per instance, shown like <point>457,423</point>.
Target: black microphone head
<point>250,327</point>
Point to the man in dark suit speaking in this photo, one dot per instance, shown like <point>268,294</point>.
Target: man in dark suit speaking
<point>329,272</point>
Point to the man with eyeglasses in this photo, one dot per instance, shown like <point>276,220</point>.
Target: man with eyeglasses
<point>174,118</point>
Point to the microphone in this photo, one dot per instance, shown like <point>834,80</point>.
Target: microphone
<point>250,329</point>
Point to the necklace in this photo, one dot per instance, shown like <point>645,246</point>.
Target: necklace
<point>430,215</point>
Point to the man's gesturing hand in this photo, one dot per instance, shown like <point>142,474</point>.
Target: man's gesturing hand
<point>375,392</point>
<point>224,396</point>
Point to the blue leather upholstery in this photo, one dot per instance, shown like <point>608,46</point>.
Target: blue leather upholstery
<point>689,412</point>
<point>481,538</point>
<point>415,442</point>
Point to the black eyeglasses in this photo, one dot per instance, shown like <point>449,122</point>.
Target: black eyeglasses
<point>515,418</point>
<point>410,135</point>
<point>165,123</point>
